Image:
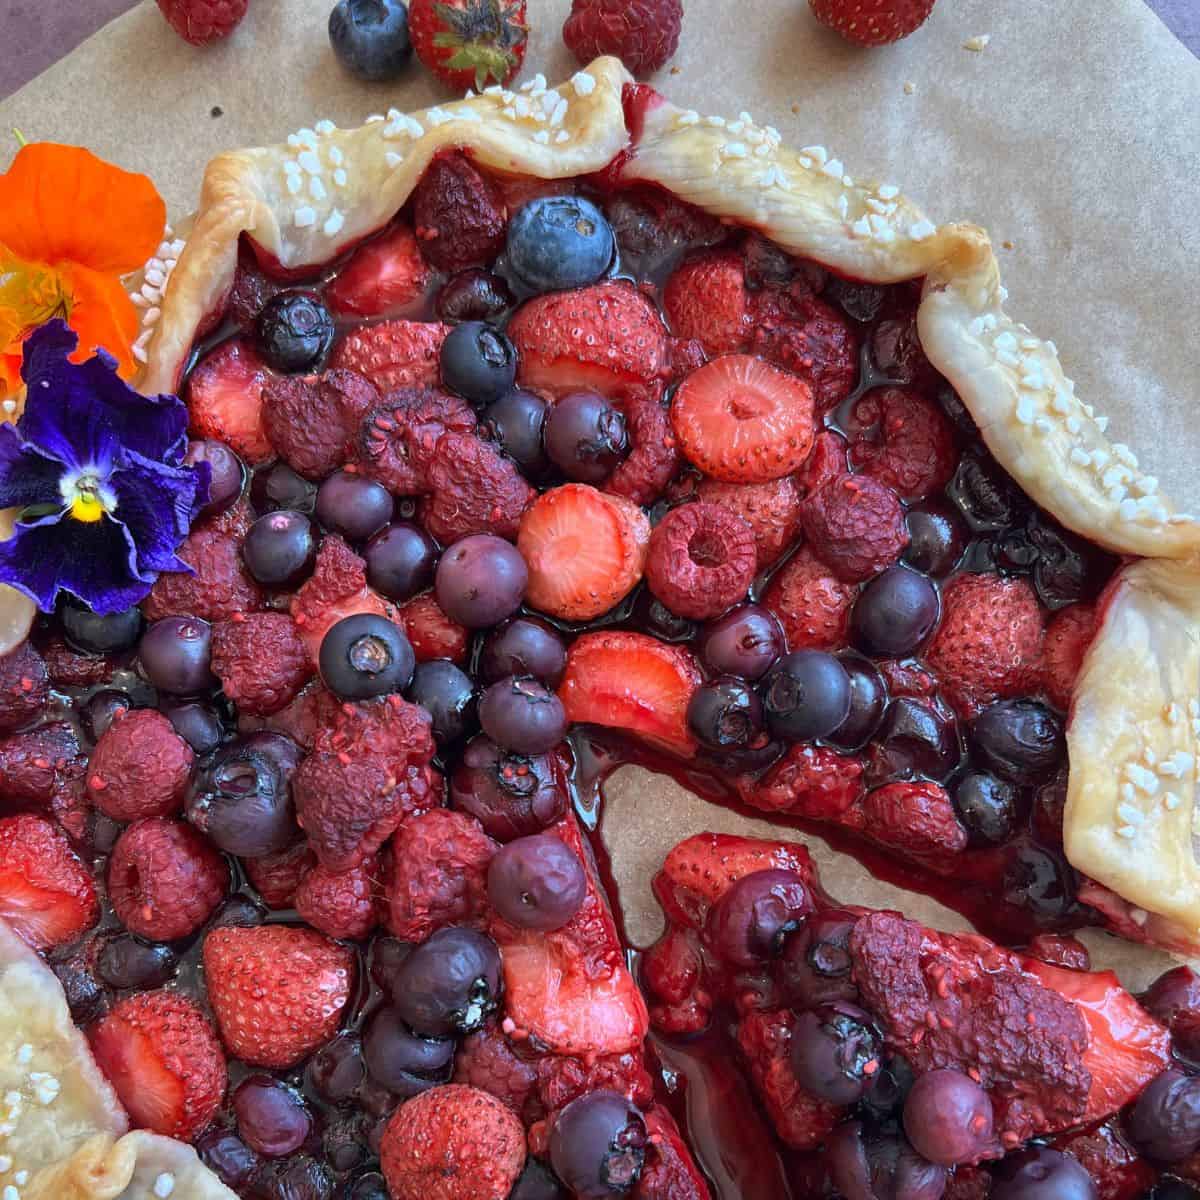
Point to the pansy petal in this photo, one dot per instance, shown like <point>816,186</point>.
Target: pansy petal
<point>63,204</point>
<point>155,503</point>
<point>26,477</point>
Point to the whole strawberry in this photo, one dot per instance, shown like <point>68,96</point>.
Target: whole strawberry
<point>872,22</point>
<point>469,43</point>
<point>643,34</point>
<point>203,21</point>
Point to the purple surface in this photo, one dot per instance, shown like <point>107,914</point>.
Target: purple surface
<point>39,32</point>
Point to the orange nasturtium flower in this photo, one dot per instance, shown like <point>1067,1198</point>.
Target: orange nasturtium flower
<point>70,226</point>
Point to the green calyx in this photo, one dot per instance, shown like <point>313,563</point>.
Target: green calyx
<point>482,36</point>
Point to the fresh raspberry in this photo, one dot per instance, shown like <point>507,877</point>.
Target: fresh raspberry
<point>140,767</point>
<point>810,781</point>
<point>898,355</point>
<point>431,632</point>
<point>67,667</point>
<point>439,873</point>
<point>486,1060</point>
<point>277,876</point>
<point>872,22</point>
<point>901,438</point>
<point>827,460</point>
<point>24,684</point>
<point>277,991</point>
<point>201,22</point>
<point>396,441</point>
<point>810,339</point>
<point>643,34</point>
<point>702,560</point>
<point>393,354</point>
<point>251,290</point>
<point>452,1143</point>
<point>1068,637</point>
<point>562,1078</point>
<point>705,299</point>
<point>220,584</point>
<point>989,644</point>
<point>812,604</point>
<point>387,272</point>
<point>1118,1172</point>
<point>772,510</point>
<point>458,215</point>
<point>672,975</point>
<point>162,1056</point>
<point>38,765</point>
<point>914,818</point>
<point>312,421</point>
<point>653,459</point>
<point>260,661</point>
<point>165,879</point>
<point>855,525</point>
<point>46,893</point>
<point>340,904</point>
<point>1060,950</point>
<point>476,489</point>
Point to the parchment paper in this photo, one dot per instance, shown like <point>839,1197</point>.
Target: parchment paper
<point>1073,136</point>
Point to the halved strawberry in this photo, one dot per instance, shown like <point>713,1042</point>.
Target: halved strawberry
<point>607,337</point>
<point>632,682</point>
<point>224,398</point>
<point>393,354</point>
<point>742,420</point>
<point>585,550</point>
<point>384,273</point>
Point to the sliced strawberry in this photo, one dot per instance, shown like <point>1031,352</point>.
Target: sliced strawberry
<point>224,398</point>
<point>632,682</point>
<point>741,420</point>
<point>393,354</point>
<point>386,272</point>
<point>585,550</point>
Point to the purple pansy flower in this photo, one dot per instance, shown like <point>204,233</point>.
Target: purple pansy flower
<point>97,470</point>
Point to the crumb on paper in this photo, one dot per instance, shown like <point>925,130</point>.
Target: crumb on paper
<point>796,109</point>
<point>1006,244</point>
<point>676,70</point>
<point>216,111</point>
<point>978,43</point>
<point>909,87</point>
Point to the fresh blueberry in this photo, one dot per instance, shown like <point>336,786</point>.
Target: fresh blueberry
<point>279,549</point>
<point>473,295</point>
<point>365,655</point>
<point>750,921</point>
<point>294,331</point>
<point>481,580</point>
<point>91,633</point>
<point>948,1117</point>
<point>989,809</point>
<point>536,882</point>
<point>725,713</point>
<point>370,38</point>
<point>835,1051</point>
<point>559,242</point>
<point>279,487</point>
<point>1040,1173</point>
<point>449,983</point>
<point>478,362</point>
<point>806,695</point>
<point>127,962</point>
<point>227,476</point>
<point>746,641</point>
<point>868,699</point>
<point>914,740</point>
<point>894,613</point>
<point>510,795</point>
<point>447,694</point>
<point>937,539</point>
<point>524,646</point>
<point>400,561</point>
<point>401,1061</point>
<point>1020,740</point>
<point>197,723</point>
<point>586,437</point>
<point>353,506</point>
<point>598,1145</point>
<point>814,962</point>
<point>243,804</point>
<point>272,1119</point>
<point>175,653</point>
<point>522,715</point>
<point>515,423</point>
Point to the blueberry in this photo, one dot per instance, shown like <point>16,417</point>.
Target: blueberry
<point>510,795</point>
<point>859,301</point>
<point>388,955</point>
<point>650,615</point>
<point>585,437</point>
<point>92,633</point>
<point>277,748</point>
<point>746,641</point>
<point>869,1167</point>
<point>370,38</point>
<point>353,506</point>
<point>400,561</point>
<point>294,331</point>
<point>84,996</point>
<point>242,802</point>
<point>559,242</point>
<point>447,694</point>
<point>1038,880</point>
<point>478,362</point>
<point>337,1068</point>
<point>227,476</point>
<point>989,809</point>
<point>1040,1173</point>
<point>226,1155</point>
<point>515,423</point>
<point>370,1186</point>
<point>175,654</point>
<point>598,1145</point>
<point>725,713</point>
<point>1020,740</point>
<point>473,295</point>
<point>279,549</point>
<point>1174,999</point>
<point>984,494</point>
<point>536,882</point>
<point>101,709</point>
<point>914,740</point>
<point>297,1178</point>
<point>1164,1124</point>
<point>937,539</point>
<point>750,921</point>
<point>868,698</point>
<point>401,1061</point>
<point>894,613</point>
<point>522,715</point>
<point>197,723</point>
<point>1172,1189</point>
<point>278,486</point>
<point>481,580</point>
<point>948,1117</point>
<point>835,1051</point>
<point>272,1119</point>
<point>814,962</point>
<point>537,1182</point>
<point>1068,569</point>
<point>524,646</point>
<point>806,695</point>
<point>365,655</point>
<point>449,984</point>
<point>125,961</point>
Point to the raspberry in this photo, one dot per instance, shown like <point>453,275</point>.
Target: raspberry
<point>396,441</point>
<point>260,661</point>
<point>702,560</point>
<point>1117,1170</point>
<point>486,1060</point>
<point>1068,637</point>
<point>810,339</point>
<point>914,818</point>
<point>810,781</point>
<point>907,678</point>
<point>476,489</point>
<point>431,632</point>
<point>312,422</point>
<point>337,588</point>
<point>201,22</point>
<point>251,290</point>
<point>220,585</point>
<point>855,525</point>
<point>165,879</point>
<point>340,904</point>
<point>772,510</point>
<point>989,644</point>
<point>439,873</point>
<point>653,460</point>
<point>705,299</point>
<point>671,973</point>
<point>901,438</point>
<point>458,215</point>
<point>812,605</point>
<point>643,34</point>
<point>68,668</point>
<point>139,768</point>
<point>24,684</point>
<point>562,1079</point>
<point>1060,950</point>
<point>277,876</point>
<point>37,766</point>
<point>827,460</point>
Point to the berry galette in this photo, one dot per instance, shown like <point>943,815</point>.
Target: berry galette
<point>535,433</point>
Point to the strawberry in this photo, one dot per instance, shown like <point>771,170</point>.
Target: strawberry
<point>201,22</point>
<point>341,904</point>
<point>872,22</point>
<point>914,818</point>
<point>671,974</point>
<point>432,633</point>
<point>1060,950</point>
<point>742,420</point>
<point>772,510</point>
<point>277,991</point>
<point>1068,636</point>
<point>386,272</point>
<point>164,1061</point>
<point>23,686</point>
<point>643,34</point>
<point>632,682</point>
<point>585,551</point>
<point>469,43</point>
<point>705,298</point>
<point>393,354</point>
<point>46,893</point>
<point>810,781</point>
<point>608,338</point>
<point>812,604</point>
<point>900,437</point>
<point>224,399</point>
<point>828,458</point>
<point>855,525</point>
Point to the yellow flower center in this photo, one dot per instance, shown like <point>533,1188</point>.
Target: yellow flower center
<point>87,506</point>
<point>86,497</point>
